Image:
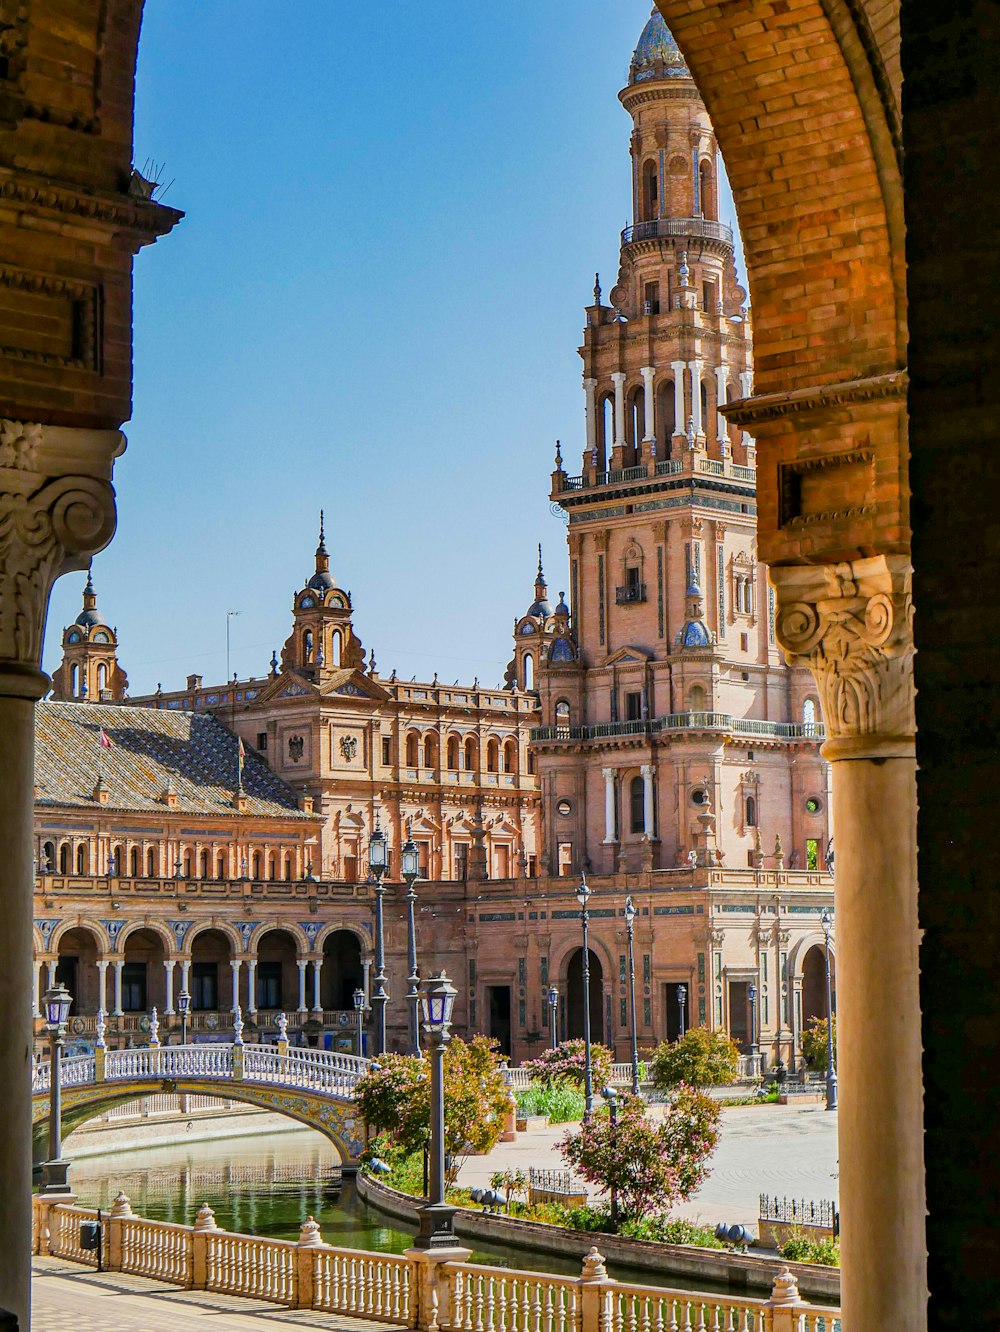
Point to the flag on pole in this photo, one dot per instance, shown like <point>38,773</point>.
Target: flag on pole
<point>105,741</point>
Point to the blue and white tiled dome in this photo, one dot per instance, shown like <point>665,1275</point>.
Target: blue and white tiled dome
<point>657,55</point>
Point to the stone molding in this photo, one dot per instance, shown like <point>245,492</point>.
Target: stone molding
<point>852,625</point>
<point>57,508</point>
<point>750,412</point>
<point>141,218</point>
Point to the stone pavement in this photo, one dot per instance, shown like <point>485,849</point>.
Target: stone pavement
<point>778,1149</point>
<point>69,1298</point>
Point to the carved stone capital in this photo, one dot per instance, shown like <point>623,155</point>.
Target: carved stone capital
<point>57,508</point>
<point>852,625</point>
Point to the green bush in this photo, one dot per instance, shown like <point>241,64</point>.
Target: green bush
<point>814,1044</point>
<point>563,1102</point>
<point>671,1230</point>
<point>701,1058</point>
<point>595,1219</point>
<point>799,1248</point>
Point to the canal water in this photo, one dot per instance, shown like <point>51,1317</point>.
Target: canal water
<point>269,1184</point>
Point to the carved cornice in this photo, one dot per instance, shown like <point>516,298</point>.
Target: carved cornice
<point>748,412</point>
<point>144,218</point>
<point>49,524</point>
<point>852,625</point>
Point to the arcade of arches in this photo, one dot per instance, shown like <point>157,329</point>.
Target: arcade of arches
<point>870,343</point>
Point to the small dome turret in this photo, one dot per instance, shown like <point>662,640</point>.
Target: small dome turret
<point>657,55</point>
<point>89,616</point>
<point>540,607</point>
<point>322,580</point>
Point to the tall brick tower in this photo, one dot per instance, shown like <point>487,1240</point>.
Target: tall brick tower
<point>673,732</point>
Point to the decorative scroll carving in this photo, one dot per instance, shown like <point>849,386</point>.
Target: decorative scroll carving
<point>852,625</point>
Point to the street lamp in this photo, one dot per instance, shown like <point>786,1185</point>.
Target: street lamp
<point>630,915</point>
<point>583,897</point>
<point>57,1003</point>
<point>826,920</point>
<point>682,995</point>
<point>436,1217</point>
<point>359,1008</point>
<point>184,1007</point>
<point>752,996</point>
<point>378,863</point>
<point>553,1016</point>
<point>411,873</point>
<point>611,1096</point>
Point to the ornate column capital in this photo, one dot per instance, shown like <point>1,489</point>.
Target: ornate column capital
<point>57,508</point>
<point>852,625</point>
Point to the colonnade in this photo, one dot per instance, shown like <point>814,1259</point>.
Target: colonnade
<point>687,406</point>
<point>610,803</point>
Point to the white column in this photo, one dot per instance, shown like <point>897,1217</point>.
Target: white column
<point>317,966</point>
<point>302,963</point>
<point>36,990</point>
<point>50,969</point>
<point>102,985</point>
<point>119,965</point>
<point>648,373</point>
<point>746,383</point>
<point>609,805</point>
<point>185,973</point>
<point>648,813</point>
<point>696,368</point>
<point>618,379</point>
<point>721,433</point>
<point>366,984</point>
<point>251,985</point>
<point>680,416</point>
<point>168,967</point>
<point>590,389</point>
<point>235,964</point>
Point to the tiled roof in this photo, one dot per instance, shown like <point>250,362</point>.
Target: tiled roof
<point>191,751</point>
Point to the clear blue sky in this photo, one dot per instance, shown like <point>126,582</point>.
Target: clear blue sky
<point>394,216</point>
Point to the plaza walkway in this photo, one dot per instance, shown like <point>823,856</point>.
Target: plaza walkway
<point>70,1298</point>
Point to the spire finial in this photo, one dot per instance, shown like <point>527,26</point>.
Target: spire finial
<point>558,457</point>
<point>540,574</point>
<point>597,288</point>
<point>321,548</point>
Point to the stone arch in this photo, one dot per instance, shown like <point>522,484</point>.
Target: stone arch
<point>165,935</point>
<point>82,923</point>
<point>200,926</point>
<point>268,927</point>
<point>364,942</point>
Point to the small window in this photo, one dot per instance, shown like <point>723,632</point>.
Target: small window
<point>529,671</point>
<point>633,706</point>
<point>751,812</point>
<point>637,807</point>
<point>698,796</point>
<point>633,577</point>
<point>812,853</point>
<point>809,712</point>
<point>744,642</point>
<point>386,751</point>
<point>565,808</point>
<point>262,742</point>
<point>651,298</point>
<point>562,713</point>
<point>814,805</point>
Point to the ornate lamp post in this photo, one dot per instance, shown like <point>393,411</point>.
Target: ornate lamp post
<point>826,920</point>
<point>411,872</point>
<point>553,1016</point>
<point>378,863</point>
<point>56,1003</point>
<point>682,995</point>
<point>359,1008</point>
<point>752,996</point>
<point>184,1007</point>
<point>583,897</point>
<point>436,1228</point>
<point>630,915</point>
<point>611,1096</point>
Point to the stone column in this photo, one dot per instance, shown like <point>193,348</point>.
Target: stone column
<point>609,805</point>
<point>36,989</point>
<point>317,967</point>
<point>185,975</point>
<point>721,431</point>
<point>251,985</point>
<point>302,963</point>
<point>235,965</point>
<point>648,373</point>
<point>102,985</point>
<point>119,965</point>
<point>51,964</point>
<point>590,410</point>
<point>680,417</point>
<point>699,424</point>
<point>618,379</point>
<point>746,388</point>
<point>851,624</point>
<point>366,984</point>
<point>648,812</point>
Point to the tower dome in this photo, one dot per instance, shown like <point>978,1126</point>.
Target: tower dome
<point>657,55</point>
<point>322,580</point>
<point>90,615</point>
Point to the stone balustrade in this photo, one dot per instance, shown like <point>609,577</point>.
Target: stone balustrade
<point>434,1291</point>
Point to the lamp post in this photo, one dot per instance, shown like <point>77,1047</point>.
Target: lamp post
<point>378,863</point>
<point>57,1003</point>
<point>611,1096</point>
<point>359,1008</point>
<point>752,996</point>
<point>630,915</point>
<point>583,897</point>
<point>826,920</point>
<point>184,1007</point>
<point>436,1228</point>
<point>553,1016</point>
<point>411,872</point>
<point>682,995</point>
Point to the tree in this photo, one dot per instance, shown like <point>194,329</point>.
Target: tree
<point>814,1044</point>
<point>650,1166</point>
<point>567,1063</point>
<point>394,1099</point>
<point>701,1057</point>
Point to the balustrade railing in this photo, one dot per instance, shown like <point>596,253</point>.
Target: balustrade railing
<point>705,227</point>
<point>685,721</point>
<point>157,1249</point>
<point>364,1285</point>
<point>486,1299</point>
<point>693,462</point>
<point>263,1269</point>
<point>642,1309</point>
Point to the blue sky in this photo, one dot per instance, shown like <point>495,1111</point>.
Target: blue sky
<point>394,216</point>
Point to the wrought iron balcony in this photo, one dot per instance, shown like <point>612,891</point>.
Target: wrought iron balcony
<point>702,227</point>
<point>630,594</point>
<point>685,721</point>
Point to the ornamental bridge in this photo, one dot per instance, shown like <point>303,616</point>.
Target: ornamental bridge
<point>316,1087</point>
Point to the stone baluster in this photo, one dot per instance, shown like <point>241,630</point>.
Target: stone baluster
<point>204,1225</point>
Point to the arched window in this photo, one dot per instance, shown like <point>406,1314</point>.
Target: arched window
<point>706,190</point>
<point>256,865</point>
<point>203,865</point>
<point>186,865</point>
<point>562,713</point>
<point>151,863</point>
<point>64,858</point>
<point>220,865</point>
<point>510,755</point>
<point>650,201</point>
<point>81,858</point>
<point>470,754</point>
<point>637,805</point>
<point>412,750</point>
<point>452,752</point>
<point>751,819</point>
<point>335,645</point>
<point>430,751</point>
<point>74,681</point>
<point>272,866</point>
<point>605,428</point>
<point>696,699</point>
<point>48,864</point>
<point>704,407</point>
<point>809,712</point>
<point>286,866</point>
<point>118,858</point>
<point>666,426</point>
<point>492,755</point>
<point>531,762</point>
<point>135,863</point>
<point>636,421</point>
<point>307,645</point>
<point>529,671</point>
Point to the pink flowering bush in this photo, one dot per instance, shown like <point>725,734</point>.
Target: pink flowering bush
<point>567,1063</point>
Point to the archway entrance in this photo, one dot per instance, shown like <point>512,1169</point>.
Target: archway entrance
<point>574,997</point>
<point>277,975</point>
<point>342,972</point>
<point>210,956</point>
<point>77,969</point>
<point>814,984</point>
<point>144,984</point>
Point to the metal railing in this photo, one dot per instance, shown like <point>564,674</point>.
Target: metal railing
<point>684,721</point>
<point>703,227</point>
<point>796,1212</point>
<point>630,593</point>
<point>689,462</point>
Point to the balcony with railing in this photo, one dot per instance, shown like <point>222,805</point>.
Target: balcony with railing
<point>692,463</point>
<point>704,228</point>
<point>630,594</point>
<point>683,721</point>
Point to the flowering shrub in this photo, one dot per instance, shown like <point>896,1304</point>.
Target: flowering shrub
<point>567,1062</point>
<point>814,1044</point>
<point>701,1057</point>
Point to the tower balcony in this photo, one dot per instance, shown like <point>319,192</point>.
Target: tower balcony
<point>691,463</point>
<point>683,721</point>
<point>630,594</point>
<point>703,228</point>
